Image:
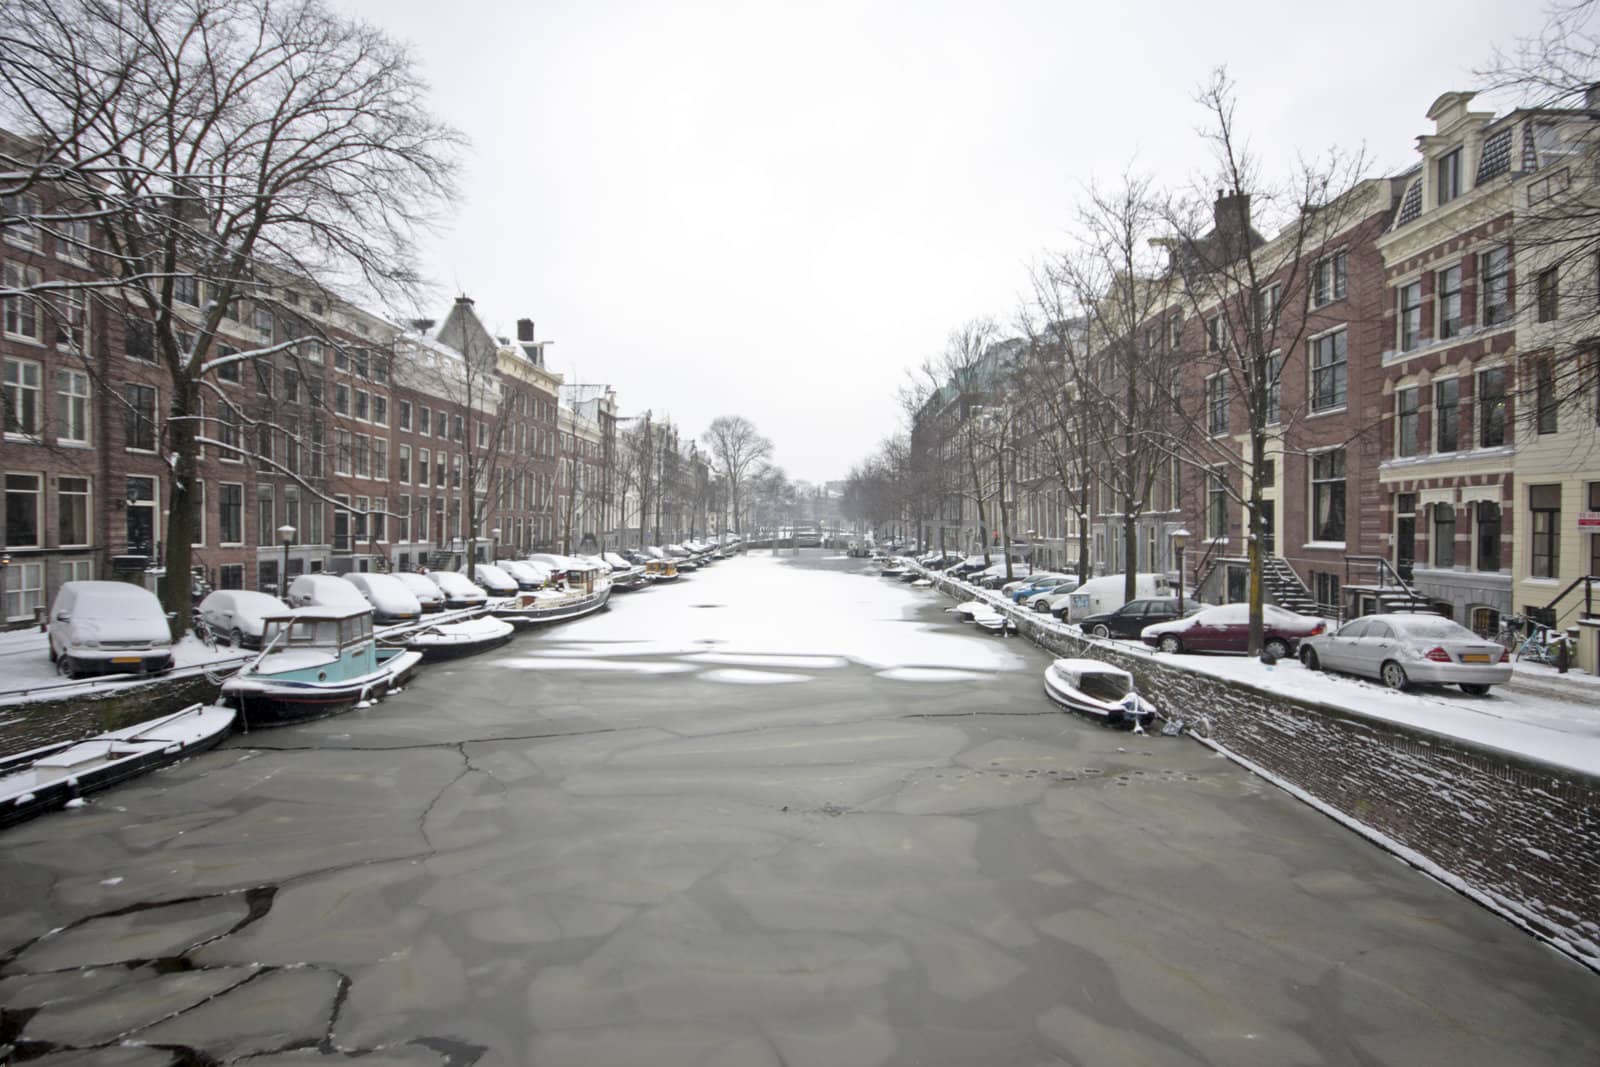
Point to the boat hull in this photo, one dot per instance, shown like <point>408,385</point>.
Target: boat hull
<point>194,729</point>
<point>535,615</point>
<point>455,640</point>
<point>264,701</point>
<point>1112,714</point>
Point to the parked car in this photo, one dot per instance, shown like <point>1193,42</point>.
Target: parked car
<point>324,591</point>
<point>392,601</point>
<point>429,596</point>
<point>1404,649</point>
<point>1023,580</point>
<point>239,614</point>
<point>458,592</point>
<point>494,581</point>
<point>528,576</point>
<point>1226,628</point>
<point>1134,616</point>
<point>1100,595</point>
<point>1037,596</point>
<point>968,565</point>
<point>108,628</point>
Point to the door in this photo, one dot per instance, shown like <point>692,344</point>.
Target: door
<point>1405,545</point>
<point>1269,529</point>
<point>1376,645</point>
<point>1340,650</point>
<point>1238,583</point>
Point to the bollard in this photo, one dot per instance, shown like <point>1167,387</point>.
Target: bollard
<point>1563,653</point>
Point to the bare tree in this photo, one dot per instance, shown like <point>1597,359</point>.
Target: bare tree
<point>1250,297</point>
<point>735,447</point>
<point>205,141</point>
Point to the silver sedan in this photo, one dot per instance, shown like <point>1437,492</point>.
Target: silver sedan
<point>1403,649</point>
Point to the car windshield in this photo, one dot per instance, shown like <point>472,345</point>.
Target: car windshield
<point>1438,629</point>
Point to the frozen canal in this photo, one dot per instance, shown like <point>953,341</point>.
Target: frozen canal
<point>779,813</point>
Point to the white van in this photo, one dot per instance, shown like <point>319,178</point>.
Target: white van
<point>108,628</point>
<point>1105,594</point>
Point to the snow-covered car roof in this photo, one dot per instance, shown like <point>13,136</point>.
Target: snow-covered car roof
<point>252,605</point>
<point>112,599</point>
<point>419,585</point>
<point>387,592</point>
<point>326,590</point>
<point>456,584</point>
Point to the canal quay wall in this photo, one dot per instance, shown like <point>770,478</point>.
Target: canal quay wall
<point>44,720</point>
<point>1518,835</point>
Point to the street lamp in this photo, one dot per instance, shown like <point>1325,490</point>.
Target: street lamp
<point>495,547</point>
<point>1180,537</point>
<point>285,538</point>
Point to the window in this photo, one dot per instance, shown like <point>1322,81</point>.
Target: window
<point>1544,394</point>
<point>1214,334</point>
<point>380,410</point>
<point>1216,504</point>
<point>405,414</point>
<point>1325,586</point>
<point>21,312</point>
<point>1217,404</point>
<point>1547,289</point>
<point>264,447</point>
<point>359,516</point>
<point>230,576</point>
<point>24,590</point>
<point>139,417</point>
<point>402,518</point>
<point>341,357</point>
<point>1406,407</point>
<point>23,510</point>
<point>315,524</point>
<point>24,232</point>
<point>198,505</point>
<point>1447,415</point>
<point>1492,408</point>
<point>263,321</point>
<point>363,405</point>
<point>402,462</point>
<point>363,456</point>
<point>1274,388</point>
<point>312,348</point>
<point>291,509</point>
<point>72,512</point>
<point>441,464</point>
<point>424,458</point>
<point>71,325</point>
<point>228,372</point>
<point>186,290</point>
<point>341,451</point>
<point>229,432</point>
<point>341,399</point>
<point>263,371</point>
<point>1327,495</point>
<point>138,341</point>
<point>483,434</point>
<point>72,241</point>
<point>1449,284</point>
<point>1494,270</point>
<point>266,528</point>
<point>1328,370</point>
<point>457,428</point>
<point>1267,306</point>
<point>1175,326</point>
<point>291,385</point>
<point>142,499</point>
<point>1448,173</point>
<point>1444,536</point>
<point>1329,280</point>
<point>230,513</point>
<point>380,458</point>
<point>424,417</point>
<point>22,397</point>
<point>380,368</point>
<point>1544,501</point>
<point>441,424</point>
<point>380,519</point>
<point>1487,527</point>
<point>455,471</point>
<point>1410,316</point>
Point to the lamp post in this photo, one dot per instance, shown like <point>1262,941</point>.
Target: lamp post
<point>285,538</point>
<point>1180,537</point>
<point>494,551</point>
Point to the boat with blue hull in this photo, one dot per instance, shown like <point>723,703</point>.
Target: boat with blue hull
<point>316,661</point>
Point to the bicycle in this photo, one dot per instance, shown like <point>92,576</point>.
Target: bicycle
<point>1544,646</point>
<point>204,632</point>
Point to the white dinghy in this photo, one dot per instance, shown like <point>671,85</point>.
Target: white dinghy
<point>1097,689</point>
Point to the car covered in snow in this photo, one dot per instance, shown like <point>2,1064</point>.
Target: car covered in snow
<point>458,591</point>
<point>528,576</point>
<point>324,591</point>
<point>495,581</point>
<point>392,602</point>
<point>1226,628</point>
<point>108,628</point>
<point>1401,650</point>
<point>428,595</point>
<point>1131,618</point>
<point>239,614</point>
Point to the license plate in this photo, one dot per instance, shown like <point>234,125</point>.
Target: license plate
<point>126,659</point>
<point>1475,657</point>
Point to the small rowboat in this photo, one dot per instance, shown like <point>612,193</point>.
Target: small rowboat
<point>448,640</point>
<point>985,615</point>
<point>48,778</point>
<point>1099,690</point>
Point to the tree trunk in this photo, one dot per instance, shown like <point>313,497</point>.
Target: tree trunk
<point>176,594</point>
<point>1130,549</point>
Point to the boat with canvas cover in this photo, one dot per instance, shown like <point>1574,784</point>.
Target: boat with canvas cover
<point>1097,689</point>
<point>48,778</point>
<point>316,661</point>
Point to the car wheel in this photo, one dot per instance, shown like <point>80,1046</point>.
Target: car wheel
<point>1101,630</point>
<point>1170,643</point>
<point>1308,656</point>
<point>235,638</point>
<point>1393,675</point>
<point>1041,607</point>
<point>1277,648</point>
<point>64,667</point>
<point>1476,689</point>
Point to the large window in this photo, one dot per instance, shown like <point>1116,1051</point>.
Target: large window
<point>1217,404</point>
<point>24,590</point>
<point>142,522</point>
<point>1486,518</point>
<point>1544,392</point>
<point>139,417</point>
<point>1492,407</point>
<point>72,407</point>
<point>1329,279</point>
<point>1444,535</point>
<point>266,528</point>
<point>22,392</point>
<point>72,512</point>
<point>1448,174</point>
<point>291,510</point>
<point>1494,272</point>
<point>1327,495</point>
<point>1449,283</point>
<point>21,313</point>
<point>1328,369</point>
<point>1447,415</point>
<point>24,231</point>
<point>1407,409</point>
<point>230,513</point>
<point>1216,503</point>
<point>1544,501</point>
<point>1410,316</point>
<point>23,500</point>
<point>1548,291</point>
<point>1274,388</point>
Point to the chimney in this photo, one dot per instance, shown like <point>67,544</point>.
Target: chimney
<point>422,325</point>
<point>525,330</point>
<point>465,300</point>
<point>1231,217</point>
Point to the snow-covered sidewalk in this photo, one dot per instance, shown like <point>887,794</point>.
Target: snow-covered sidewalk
<point>26,673</point>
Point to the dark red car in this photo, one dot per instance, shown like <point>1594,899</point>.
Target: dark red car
<point>1227,629</point>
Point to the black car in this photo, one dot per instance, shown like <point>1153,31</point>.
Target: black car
<point>1134,616</point>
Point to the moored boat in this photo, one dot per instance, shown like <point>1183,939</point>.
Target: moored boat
<point>1097,689</point>
<point>316,661</point>
<point>48,778</point>
<point>577,587</point>
<point>448,640</point>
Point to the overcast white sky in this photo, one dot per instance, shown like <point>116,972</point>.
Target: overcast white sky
<point>777,209</point>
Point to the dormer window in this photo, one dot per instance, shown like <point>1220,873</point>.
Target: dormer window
<point>1448,176</point>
